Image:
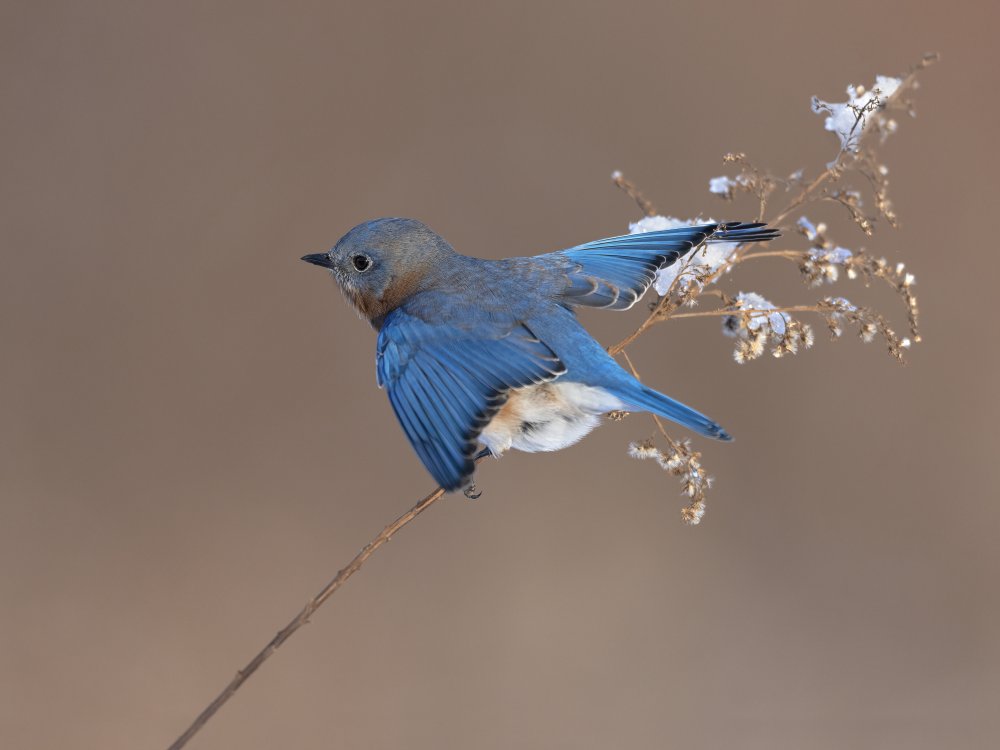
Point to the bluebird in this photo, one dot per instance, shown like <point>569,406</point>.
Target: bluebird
<point>491,351</point>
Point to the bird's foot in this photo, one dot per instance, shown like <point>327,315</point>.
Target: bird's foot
<point>472,491</point>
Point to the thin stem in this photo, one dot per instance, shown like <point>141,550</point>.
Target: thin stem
<point>644,204</point>
<point>656,420</point>
<point>303,616</point>
<point>661,311</point>
<point>790,254</point>
<point>801,198</point>
<point>620,346</point>
<point>740,311</point>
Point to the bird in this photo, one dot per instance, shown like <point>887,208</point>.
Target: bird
<point>473,351</point>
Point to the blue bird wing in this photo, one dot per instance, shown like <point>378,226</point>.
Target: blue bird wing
<point>446,382</point>
<point>614,273</point>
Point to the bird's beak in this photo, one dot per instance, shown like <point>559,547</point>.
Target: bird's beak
<point>319,259</point>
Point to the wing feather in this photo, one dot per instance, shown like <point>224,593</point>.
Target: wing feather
<point>615,272</point>
<point>445,383</point>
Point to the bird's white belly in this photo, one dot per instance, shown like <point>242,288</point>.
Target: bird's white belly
<point>547,417</point>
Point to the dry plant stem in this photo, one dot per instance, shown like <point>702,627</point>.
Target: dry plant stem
<point>748,311</point>
<point>644,204</point>
<point>303,616</point>
<point>656,419</point>
<point>801,198</point>
<point>661,311</point>
<point>650,320</point>
<point>790,254</point>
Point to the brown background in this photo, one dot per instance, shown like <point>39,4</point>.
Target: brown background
<point>192,441</point>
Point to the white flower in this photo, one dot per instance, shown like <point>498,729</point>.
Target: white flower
<point>841,304</point>
<point>823,263</point>
<point>847,120</point>
<point>672,462</point>
<point>693,514</point>
<point>767,323</point>
<point>808,228</point>
<point>643,450</point>
<point>888,85</point>
<point>723,186</point>
<point>813,232</point>
<point>835,318</point>
<point>836,255</point>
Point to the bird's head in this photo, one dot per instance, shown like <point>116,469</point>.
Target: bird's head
<point>380,263</point>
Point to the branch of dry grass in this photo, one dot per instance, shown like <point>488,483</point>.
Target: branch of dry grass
<point>303,616</point>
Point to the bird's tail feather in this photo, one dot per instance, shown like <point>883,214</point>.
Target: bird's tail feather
<point>743,231</point>
<point>615,272</point>
<point>646,399</point>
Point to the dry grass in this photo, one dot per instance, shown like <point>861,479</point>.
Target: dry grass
<point>757,325</point>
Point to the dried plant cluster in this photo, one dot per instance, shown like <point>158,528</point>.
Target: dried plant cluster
<point>856,180</point>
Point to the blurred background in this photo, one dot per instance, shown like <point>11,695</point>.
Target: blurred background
<point>192,442</point>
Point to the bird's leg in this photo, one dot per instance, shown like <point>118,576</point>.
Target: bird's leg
<point>472,492</point>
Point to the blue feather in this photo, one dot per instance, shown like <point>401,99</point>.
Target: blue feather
<point>445,384</point>
<point>638,396</point>
<point>615,272</point>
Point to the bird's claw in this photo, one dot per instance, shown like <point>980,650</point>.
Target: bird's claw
<point>472,492</point>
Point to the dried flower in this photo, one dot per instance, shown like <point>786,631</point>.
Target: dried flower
<point>693,513</point>
<point>839,311</point>
<point>847,120</point>
<point>682,461</point>
<point>861,124</point>
<point>725,186</point>
<point>756,322</point>
<point>823,261</point>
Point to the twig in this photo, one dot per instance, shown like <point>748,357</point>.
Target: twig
<point>790,254</point>
<point>303,616</point>
<point>660,311</point>
<point>750,312</point>
<point>656,420</point>
<point>801,198</point>
<point>634,193</point>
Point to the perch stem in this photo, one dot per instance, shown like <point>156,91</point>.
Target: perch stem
<point>303,616</point>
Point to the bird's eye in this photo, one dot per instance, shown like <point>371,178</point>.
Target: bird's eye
<point>361,263</point>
